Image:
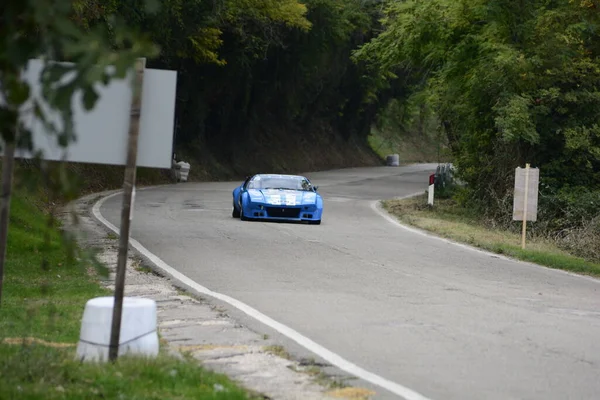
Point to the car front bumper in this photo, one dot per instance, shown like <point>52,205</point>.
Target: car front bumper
<point>282,212</point>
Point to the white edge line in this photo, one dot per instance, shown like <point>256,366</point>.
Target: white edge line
<point>378,208</point>
<point>303,341</point>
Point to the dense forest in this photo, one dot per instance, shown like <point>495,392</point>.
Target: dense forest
<point>302,84</point>
<point>263,84</point>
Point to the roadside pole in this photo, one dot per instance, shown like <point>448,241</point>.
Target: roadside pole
<point>128,191</point>
<point>8,163</point>
<point>524,228</point>
<point>430,192</point>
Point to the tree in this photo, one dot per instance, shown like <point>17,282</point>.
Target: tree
<point>56,31</point>
<point>511,82</point>
<point>252,71</point>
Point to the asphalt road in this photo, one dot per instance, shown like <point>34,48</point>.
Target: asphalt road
<point>440,319</point>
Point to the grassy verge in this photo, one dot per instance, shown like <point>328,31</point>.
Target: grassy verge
<point>45,291</point>
<point>448,220</point>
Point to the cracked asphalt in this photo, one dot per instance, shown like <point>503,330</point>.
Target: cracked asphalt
<point>442,320</point>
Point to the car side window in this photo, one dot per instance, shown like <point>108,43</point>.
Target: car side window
<point>246,182</point>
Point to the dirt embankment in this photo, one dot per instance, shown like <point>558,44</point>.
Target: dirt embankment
<point>274,153</point>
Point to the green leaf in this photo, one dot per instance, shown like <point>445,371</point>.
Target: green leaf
<point>89,98</point>
<point>152,6</point>
<point>18,92</point>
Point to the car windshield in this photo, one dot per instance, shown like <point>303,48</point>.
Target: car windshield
<point>286,183</point>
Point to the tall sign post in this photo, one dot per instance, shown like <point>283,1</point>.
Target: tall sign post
<point>128,191</point>
<point>525,201</point>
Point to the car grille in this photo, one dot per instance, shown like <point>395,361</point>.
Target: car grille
<point>283,212</point>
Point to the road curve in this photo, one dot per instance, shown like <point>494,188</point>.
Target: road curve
<point>442,320</point>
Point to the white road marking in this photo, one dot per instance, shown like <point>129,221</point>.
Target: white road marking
<point>376,206</point>
<point>302,340</point>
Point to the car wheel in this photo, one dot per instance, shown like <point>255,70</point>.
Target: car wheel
<point>235,213</point>
<point>242,216</point>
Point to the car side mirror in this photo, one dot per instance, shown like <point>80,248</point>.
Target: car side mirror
<point>316,188</point>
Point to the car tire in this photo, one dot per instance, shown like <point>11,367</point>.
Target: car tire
<point>242,216</point>
<point>235,213</point>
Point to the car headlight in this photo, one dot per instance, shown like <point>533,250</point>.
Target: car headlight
<point>310,198</point>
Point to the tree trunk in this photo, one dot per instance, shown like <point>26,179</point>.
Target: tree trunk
<point>7,178</point>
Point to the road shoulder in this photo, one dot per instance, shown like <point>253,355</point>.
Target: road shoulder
<point>445,223</point>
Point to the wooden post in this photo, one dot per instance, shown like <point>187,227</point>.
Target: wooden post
<point>524,229</point>
<point>128,189</point>
<point>8,163</point>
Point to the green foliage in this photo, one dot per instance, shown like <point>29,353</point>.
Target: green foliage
<point>252,70</point>
<point>510,82</point>
<point>513,120</point>
<point>45,287</point>
<point>410,128</point>
<point>288,12</point>
<point>57,30</point>
<point>569,207</point>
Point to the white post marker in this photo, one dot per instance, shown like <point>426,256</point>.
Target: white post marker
<point>131,207</point>
<point>430,193</point>
<point>525,197</point>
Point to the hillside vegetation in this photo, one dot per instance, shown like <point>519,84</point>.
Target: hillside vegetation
<point>510,83</point>
<point>262,85</point>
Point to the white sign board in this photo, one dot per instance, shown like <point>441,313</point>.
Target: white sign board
<point>101,134</point>
<point>532,193</point>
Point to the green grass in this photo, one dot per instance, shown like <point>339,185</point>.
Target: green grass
<point>44,296</point>
<point>448,220</point>
<point>48,373</point>
<point>44,302</point>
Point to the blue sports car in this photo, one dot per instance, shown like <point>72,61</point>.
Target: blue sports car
<point>277,197</point>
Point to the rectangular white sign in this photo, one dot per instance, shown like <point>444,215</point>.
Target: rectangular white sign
<point>532,194</point>
<point>101,133</point>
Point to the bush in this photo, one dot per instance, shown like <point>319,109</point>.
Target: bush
<point>569,216</point>
<point>583,241</point>
<point>569,208</point>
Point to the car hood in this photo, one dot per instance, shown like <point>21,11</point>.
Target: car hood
<point>283,197</point>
